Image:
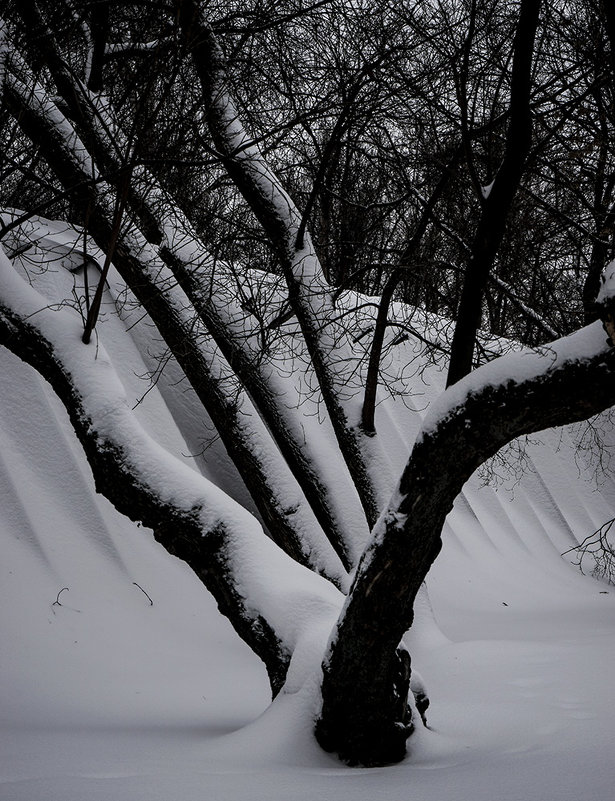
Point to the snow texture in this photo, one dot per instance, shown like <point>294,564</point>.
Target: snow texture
<point>129,685</point>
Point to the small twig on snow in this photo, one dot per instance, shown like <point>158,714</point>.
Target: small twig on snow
<point>57,600</point>
<point>151,603</point>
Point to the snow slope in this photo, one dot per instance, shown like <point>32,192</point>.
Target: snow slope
<point>129,685</point>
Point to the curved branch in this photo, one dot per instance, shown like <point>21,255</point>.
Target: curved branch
<point>364,714</point>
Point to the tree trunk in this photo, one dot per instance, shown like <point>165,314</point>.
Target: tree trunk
<point>211,379</point>
<point>497,205</point>
<point>122,458</point>
<point>309,293</point>
<point>363,716</point>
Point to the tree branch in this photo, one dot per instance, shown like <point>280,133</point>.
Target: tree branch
<point>190,517</point>
<point>309,293</point>
<point>517,394</point>
<point>497,205</point>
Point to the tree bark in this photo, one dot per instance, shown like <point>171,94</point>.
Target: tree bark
<point>497,205</point>
<point>168,309</point>
<point>363,716</point>
<point>281,222</point>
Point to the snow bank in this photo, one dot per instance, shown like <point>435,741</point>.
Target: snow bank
<point>129,684</point>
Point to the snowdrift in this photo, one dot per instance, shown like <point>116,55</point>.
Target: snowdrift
<point>119,679</point>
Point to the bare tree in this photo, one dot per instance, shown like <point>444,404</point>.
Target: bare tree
<point>208,225</point>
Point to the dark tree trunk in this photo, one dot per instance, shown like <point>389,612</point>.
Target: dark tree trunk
<point>120,479</point>
<point>497,205</point>
<point>363,716</point>
<point>180,334</point>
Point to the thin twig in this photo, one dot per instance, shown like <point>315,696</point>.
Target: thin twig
<point>57,600</point>
<point>151,603</point>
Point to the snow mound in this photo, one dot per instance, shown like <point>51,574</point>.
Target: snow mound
<point>120,680</point>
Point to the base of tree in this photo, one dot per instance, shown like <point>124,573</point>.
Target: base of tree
<point>370,728</point>
<point>374,746</point>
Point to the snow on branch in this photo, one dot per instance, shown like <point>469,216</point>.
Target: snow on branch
<point>530,367</point>
<point>605,302</point>
<point>157,287</point>
<point>116,50</point>
<point>530,313</point>
<point>517,369</point>
<point>309,292</point>
<point>518,393</point>
<point>264,592</point>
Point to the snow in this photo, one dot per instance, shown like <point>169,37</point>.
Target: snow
<point>486,190</point>
<point>106,696</point>
<point>607,284</point>
<point>36,97</point>
<point>517,368</point>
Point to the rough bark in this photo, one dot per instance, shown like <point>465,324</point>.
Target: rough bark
<point>363,717</point>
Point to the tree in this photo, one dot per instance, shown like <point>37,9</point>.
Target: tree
<point>199,220</point>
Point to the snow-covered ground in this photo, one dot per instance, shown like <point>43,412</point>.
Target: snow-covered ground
<point>129,685</point>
